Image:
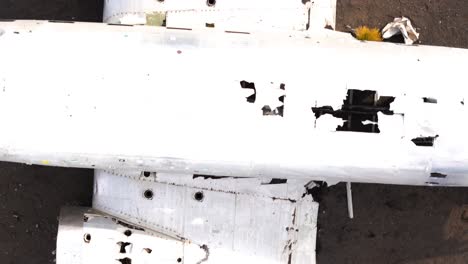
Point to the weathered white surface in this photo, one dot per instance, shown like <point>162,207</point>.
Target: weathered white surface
<point>322,14</point>
<point>87,236</point>
<point>235,15</point>
<point>110,97</point>
<point>238,220</point>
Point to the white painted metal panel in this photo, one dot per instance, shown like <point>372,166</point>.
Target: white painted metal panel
<point>225,216</point>
<point>111,97</point>
<point>237,15</point>
<point>87,236</point>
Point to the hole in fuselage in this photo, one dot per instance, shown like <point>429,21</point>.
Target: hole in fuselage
<point>211,2</point>
<point>438,175</point>
<point>424,141</point>
<point>123,247</point>
<point>125,260</point>
<point>279,110</point>
<point>87,238</point>
<point>429,100</point>
<point>148,194</point>
<point>249,85</point>
<point>199,196</point>
<point>359,111</point>
<point>277,181</point>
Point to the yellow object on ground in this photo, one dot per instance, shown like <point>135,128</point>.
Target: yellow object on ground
<point>370,34</point>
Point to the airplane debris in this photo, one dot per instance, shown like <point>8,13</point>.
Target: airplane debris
<point>403,26</point>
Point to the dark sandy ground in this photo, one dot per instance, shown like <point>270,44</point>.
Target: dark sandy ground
<point>393,224</point>
<point>76,10</point>
<point>30,198</point>
<point>440,22</point>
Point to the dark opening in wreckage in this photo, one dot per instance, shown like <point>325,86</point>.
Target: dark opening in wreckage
<point>359,107</point>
